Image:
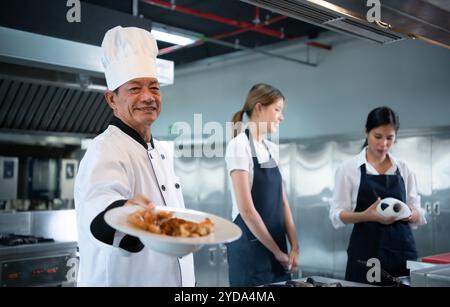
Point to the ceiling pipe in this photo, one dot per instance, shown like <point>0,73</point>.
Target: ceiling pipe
<point>319,45</point>
<point>257,20</point>
<point>135,8</point>
<point>216,18</point>
<point>218,36</point>
<point>234,46</point>
<point>260,51</point>
<point>244,27</point>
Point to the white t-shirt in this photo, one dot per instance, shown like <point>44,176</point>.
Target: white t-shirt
<point>238,156</point>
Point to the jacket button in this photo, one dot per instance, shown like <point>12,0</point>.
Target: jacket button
<point>163,156</point>
<point>177,186</point>
<point>163,187</point>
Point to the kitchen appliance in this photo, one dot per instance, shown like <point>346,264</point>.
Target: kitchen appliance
<point>317,281</point>
<point>42,179</point>
<point>27,260</point>
<point>67,172</point>
<point>436,276</point>
<point>11,239</point>
<point>49,179</point>
<point>311,282</point>
<point>48,257</point>
<point>388,279</point>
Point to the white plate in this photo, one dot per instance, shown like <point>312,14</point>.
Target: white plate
<point>224,230</point>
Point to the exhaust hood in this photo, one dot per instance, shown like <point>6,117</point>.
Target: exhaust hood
<point>428,20</point>
<point>49,84</point>
<point>26,48</point>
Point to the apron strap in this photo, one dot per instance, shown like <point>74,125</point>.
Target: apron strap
<point>269,164</point>
<point>364,170</point>
<point>252,145</point>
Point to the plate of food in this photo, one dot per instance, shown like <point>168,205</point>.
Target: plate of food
<point>172,231</point>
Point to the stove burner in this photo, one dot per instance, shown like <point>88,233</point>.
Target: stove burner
<point>309,283</point>
<point>13,239</point>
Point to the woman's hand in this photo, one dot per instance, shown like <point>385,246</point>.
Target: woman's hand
<point>141,201</point>
<point>371,214</point>
<point>293,261</point>
<point>414,217</point>
<point>282,258</point>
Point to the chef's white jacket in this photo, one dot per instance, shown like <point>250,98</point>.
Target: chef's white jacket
<point>117,166</point>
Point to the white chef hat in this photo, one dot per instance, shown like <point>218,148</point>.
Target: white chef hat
<point>128,53</point>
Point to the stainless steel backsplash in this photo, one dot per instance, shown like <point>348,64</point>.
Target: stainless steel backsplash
<point>308,168</point>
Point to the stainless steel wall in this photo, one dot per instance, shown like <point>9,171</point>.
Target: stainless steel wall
<point>308,168</point>
<point>204,185</point>
<point>59,225</point>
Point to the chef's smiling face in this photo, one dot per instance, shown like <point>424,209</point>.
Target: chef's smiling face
<point>381,139</point>
<point>137,102</point>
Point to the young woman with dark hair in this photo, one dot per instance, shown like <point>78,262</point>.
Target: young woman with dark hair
<point>360,184</point>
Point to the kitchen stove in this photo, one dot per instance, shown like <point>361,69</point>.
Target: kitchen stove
<point>27,260</point>
<point>11,239</point>
<point>317,281</point>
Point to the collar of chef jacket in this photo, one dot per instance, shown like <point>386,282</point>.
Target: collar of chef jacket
<point>115,121</point>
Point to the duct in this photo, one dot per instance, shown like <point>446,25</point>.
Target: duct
<point>31,106</point>
<point>49,84</point>
<point>421,19</point>
<point>47,52</point>
<point>220,19</point>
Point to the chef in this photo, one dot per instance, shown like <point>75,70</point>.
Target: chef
<point>361,183</point>
<point>124,166</point>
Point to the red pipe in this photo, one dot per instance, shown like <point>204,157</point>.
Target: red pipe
<point>231,22</point>
<point>275,19</point>
<point>239,31</point>
<point>199,42</point>
<point>319,45</point>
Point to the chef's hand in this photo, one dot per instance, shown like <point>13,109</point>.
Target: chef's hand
<point>414,217</point>
<point>282,258</point>
<point>141,201</point>
<point>293,261</point>
<point>372,215</point>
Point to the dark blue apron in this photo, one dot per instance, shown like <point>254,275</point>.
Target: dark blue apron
<point>391,244</point>
<point>250,263</point>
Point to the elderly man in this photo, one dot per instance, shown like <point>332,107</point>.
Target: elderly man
<point>124,166</point>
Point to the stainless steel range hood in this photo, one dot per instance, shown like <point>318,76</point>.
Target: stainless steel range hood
<point>49,84</point>
<point>25,48</point>
<point>51,77</point>
<point>428,20</point>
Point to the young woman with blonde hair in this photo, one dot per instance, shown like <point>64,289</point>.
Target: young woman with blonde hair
<point>260,205</point>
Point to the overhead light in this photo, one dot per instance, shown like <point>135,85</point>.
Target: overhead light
<point>172,37</point>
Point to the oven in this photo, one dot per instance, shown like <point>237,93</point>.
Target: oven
<point>31,262</point>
